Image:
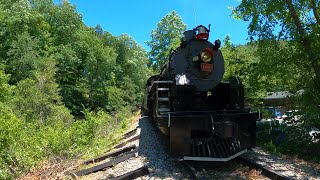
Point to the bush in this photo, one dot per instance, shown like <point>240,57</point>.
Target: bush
<point>24,144</point>
<point>10,137</point>
<point>35,125</point>
<point>291,140</point>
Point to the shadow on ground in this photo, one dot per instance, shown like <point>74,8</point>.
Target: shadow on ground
<point>153,147</point>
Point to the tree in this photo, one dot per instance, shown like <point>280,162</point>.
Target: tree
<point>167,36</point>
<point>98,67</point>
<point>243,61</point>
<point>287,34</point>
<point>22,57</point>
<point>133,60</point>
<point>98,29</point>
<point>298,21</point>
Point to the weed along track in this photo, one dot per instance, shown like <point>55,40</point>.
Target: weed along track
<point>126,150</point>
<point>240,168</point>
<point>263,170</point>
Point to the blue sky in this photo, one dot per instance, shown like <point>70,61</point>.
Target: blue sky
<point>138,17</point>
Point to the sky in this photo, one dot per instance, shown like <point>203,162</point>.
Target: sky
<point>137,18</point>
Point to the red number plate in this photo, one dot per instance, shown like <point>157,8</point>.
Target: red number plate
<point>206,67</point>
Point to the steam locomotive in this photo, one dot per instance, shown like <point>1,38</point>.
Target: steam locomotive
<point>204,117</point>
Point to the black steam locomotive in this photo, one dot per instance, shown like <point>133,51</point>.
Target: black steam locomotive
<point>204,117</point>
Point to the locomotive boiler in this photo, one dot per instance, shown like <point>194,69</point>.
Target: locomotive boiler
<point>203,116</point>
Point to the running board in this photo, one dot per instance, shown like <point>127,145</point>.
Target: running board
<point>190,158</point>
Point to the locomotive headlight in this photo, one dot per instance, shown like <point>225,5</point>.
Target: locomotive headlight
<point>181,79</point>
<point>206,55</point>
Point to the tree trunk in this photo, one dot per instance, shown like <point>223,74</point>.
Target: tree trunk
<point>295,17</point>
<point>314,9</point>
<point>305,42</point>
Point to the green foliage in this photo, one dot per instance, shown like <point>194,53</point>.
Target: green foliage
<point>5,88</point>
<point>265,66</point>
<point>37,98</point>
<point>115,99</point>
<point>164,38</point>
<point>24,144</point>
<point>10,136</point>
<point>22,57</point>
<point>288,140</point>
<point>53,66</point>
<point>242,61</point>
<point>285,34</point>
<point>270,147</point>
<point>87,59</point>
<point>69,77</point>
<point>288,39</point>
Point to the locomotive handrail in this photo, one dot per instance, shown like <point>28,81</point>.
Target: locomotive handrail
<point>214,111</point>
<point>159,82</point>
<point>162,82</point>
<point>198,114</point>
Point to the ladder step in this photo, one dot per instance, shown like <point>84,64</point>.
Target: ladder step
<point>164,109</point>
<point>163,89</point>
<point>163,99</point>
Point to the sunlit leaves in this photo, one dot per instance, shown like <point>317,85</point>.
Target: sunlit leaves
<point>287,34</point>
<point>22,57</point>
<point>167,35</point>
<point>270,19</point>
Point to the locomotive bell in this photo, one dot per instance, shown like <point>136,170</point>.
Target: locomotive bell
<point>203,32</point>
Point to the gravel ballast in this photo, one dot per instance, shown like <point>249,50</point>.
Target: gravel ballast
<point>153,148</point>
<point>286,166</point>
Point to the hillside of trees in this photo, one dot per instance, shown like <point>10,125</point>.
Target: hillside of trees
<point>54,70</point>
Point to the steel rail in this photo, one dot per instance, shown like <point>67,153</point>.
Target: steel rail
<point>264,171</point>
<point>106,164</point>
<point>123,143</point>
<point>133,174</point>
<point>110,154</point>
<point>192,172</point>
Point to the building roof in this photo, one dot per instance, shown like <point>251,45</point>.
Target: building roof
<point>278,95</point>
<point>282,94</point>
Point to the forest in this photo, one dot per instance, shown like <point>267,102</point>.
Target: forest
<point>67,89</point>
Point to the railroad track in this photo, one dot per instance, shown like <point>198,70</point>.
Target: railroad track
<point>264,171</point>
<point>201,173</point>
<point>191,171</point>
<point>101,166</point>
<point>110,159</point>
